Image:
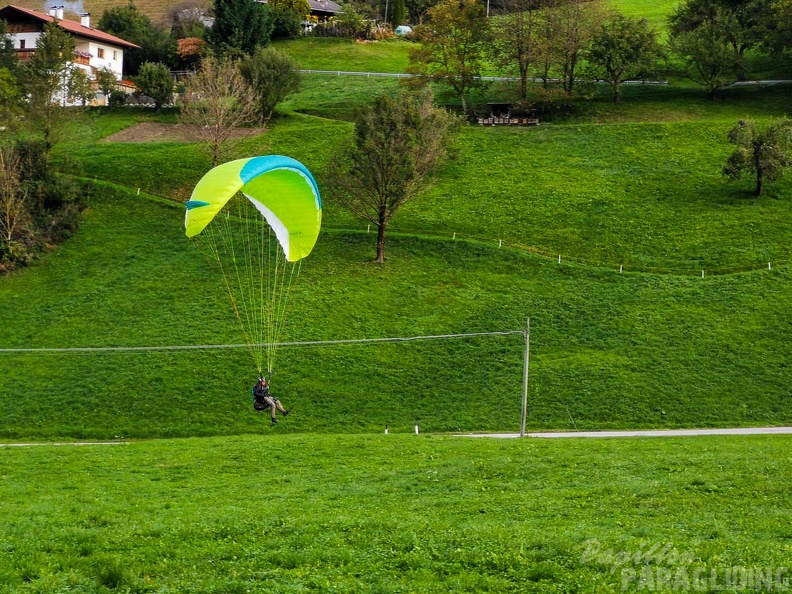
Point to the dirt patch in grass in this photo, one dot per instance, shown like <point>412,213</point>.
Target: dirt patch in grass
<point>155,132</point>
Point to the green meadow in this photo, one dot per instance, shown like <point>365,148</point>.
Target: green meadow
<point>394,513</point>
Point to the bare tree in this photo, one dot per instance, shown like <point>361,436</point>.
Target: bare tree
<point>217,101</point>
<point>13,197</point>
<point>398,143</point>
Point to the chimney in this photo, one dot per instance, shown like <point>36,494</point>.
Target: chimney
<point>59,12</point>
<point>52,11</point>
<point>85,19</point>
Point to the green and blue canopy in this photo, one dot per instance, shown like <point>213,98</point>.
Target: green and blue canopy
<point>282,190</point>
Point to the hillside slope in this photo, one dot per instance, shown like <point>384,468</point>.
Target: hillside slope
<point>608,350</point>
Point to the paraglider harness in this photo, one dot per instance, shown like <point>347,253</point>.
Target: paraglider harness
<point>260,393</point>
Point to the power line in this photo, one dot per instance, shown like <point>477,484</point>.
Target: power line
<point>207,347</point>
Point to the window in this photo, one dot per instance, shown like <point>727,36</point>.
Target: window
<point>115,55</point>
<point>100,53</point>
<point>21,44</point>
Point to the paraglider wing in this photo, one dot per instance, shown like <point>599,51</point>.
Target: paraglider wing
<point>256,219</point>
<point>282,190</point>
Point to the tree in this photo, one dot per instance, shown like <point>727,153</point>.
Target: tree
<point>743,24</point>
<point>217,101</point>
<point>49,78</point>
<point>8,57</point>
<point>624,48</point>
<point>10,106</point>
<point>9,85</point>
<point>707,54</point>
<point>399,12</point>
<point>190,50</point>
<point>351,23</point>
<point>300,7</point>
<point>240,27</point>
<point>128,23</point>
<point>453,44</point>
<point>14,215</point>
<point>570,26</point>
<point>397,144</point>
<point>273,76</point>
<point>288,16</point>
<point>766,152</point>
<point>514,46</point>
<point>416,10</point>
<point>779,35</point>
<point>106,81</point>
<point>155,81</point>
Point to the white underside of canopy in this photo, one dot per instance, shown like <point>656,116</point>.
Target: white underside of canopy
<point>280,229</point>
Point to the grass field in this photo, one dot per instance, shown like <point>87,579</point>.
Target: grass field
<point>324,501</point>
<point>610,350</point>
<point>391,514</point>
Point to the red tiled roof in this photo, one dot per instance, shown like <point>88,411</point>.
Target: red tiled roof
<point>70,26</point>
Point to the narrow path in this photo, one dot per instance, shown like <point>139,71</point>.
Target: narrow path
<point>645,433</point>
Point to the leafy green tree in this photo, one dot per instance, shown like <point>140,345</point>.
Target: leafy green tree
<point>240,27</point>
<point>155,81</point>
<point>743,24</point>
<point>624,48</point>
<point>398,144</point>
<point>49,79</point>
<point>10,106</point>
<point>9,85</point>
<point>453,46</point>
<point>106,81</point>
<point>765,152</point>
<point>273,76</point>
<point>8,57</point>
<point>300,7</point>
<point>399,12</point>
<point>217,101</point>
<point>79,89</point>
<point>286,24</point>
<point>127,22</point>
<point>288,16</point>
<point>779,34</point>
<point>352,23</point>
<point>708,56</point>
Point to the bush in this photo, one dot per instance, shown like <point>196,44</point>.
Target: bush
<point>53,202</point>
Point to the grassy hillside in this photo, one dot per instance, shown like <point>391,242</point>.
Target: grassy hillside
<point>390,514</point>
<point>609,350</point>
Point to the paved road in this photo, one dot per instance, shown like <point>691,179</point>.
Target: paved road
<point>647,433</point>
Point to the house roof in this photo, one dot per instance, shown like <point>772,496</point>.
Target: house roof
<point>324,6</point>
<point>72,27</point>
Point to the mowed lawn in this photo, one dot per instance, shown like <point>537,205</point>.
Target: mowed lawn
<point>391,513</point>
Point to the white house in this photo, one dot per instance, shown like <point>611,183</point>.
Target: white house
<point>94,49</point>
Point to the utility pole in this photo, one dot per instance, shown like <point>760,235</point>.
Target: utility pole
<point>525,377</point>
